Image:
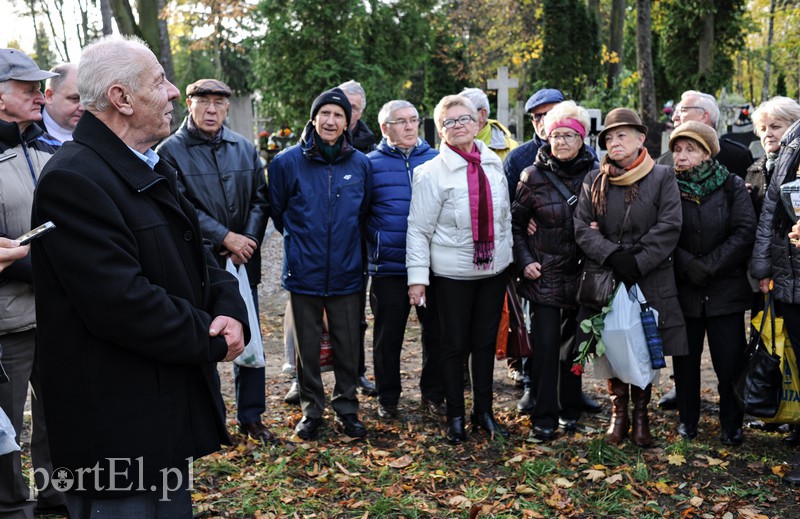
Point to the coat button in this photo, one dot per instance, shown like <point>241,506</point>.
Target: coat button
<point>188,236</point>
<point>232,209</point>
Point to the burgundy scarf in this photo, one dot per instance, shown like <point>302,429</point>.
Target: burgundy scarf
<point>480,208</point>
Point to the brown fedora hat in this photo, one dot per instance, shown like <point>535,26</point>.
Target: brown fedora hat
<point>620,117</point>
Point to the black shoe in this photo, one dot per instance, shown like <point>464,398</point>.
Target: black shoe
<point>568,425</point>
<point>455,433</point>
<point>365,387</point>
<point>669,400</point>
<point>517,376</point>
<point>792,477</point>
<point>487,422</point>
<point>351,425</point>
<point>542,434</point>
<point>308,428</point>
<point>433,407</point>
<point>387,411</point>
<point>589,404</point>
<point>527,402</point>
<point>730,438</point>
<point>688,432</point>
<point>293,396</point>
<point>793,438</point>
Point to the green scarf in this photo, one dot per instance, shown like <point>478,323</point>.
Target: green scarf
<point>702,180</point>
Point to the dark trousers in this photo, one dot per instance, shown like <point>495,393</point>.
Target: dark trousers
<point>469,314</point>
<point>343,319</point>
<point>389,303</point>
<point>19,361</point>
<point>250,383</point>
<point>726,342</point>
<point>557,390</point>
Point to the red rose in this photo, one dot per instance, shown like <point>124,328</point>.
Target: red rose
<point>577,369</point>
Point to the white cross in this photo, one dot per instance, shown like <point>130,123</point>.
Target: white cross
<point>502,83</point>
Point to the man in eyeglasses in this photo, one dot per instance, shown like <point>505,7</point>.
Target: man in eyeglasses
<point>393,162</point>
<point>220,172</point>
<point>698,106</point>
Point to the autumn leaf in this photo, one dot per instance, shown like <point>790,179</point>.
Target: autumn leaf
<point>524,490</point>
<point>616,478</point>
<point>401,462</point>
<point>696,502</point>
<point>594,475</point>
<point>564,483</point>
<point>460,501</point>
<point>676,459</point>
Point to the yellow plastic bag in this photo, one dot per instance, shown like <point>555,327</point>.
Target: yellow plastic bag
<point>778,342</point>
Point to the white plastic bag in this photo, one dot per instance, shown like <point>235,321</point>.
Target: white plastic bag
<point>8,442</point>
<point>253,354</point>
<point>626,346</point>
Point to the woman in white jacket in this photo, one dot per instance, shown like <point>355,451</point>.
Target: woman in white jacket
<point>459,240</point>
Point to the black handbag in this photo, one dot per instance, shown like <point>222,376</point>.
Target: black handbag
<point>519,342</point>
<point>758,390</point>
<point>596,284</point>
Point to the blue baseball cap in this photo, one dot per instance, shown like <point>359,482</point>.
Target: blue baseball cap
<point>543,97</point>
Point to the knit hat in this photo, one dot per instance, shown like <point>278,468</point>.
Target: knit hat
<point>620,117</point>
<point>207,87</point>
<point>543,97</point>
<point>334,96</point>
<point>17,65</point>
<point>697,131</point>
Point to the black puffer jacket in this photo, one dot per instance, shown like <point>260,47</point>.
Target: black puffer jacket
<point>719,232</point>
<point>553,244</point>
<point>773,256</point>
<point>758,177</point>
<point>226,184</point>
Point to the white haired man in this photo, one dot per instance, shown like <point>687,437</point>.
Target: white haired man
<point>134,310</point>
<point>490,131</point>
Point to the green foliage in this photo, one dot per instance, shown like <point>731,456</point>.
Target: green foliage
<point>311,46</point>
<point>570,49</point>
<point>680,25</point>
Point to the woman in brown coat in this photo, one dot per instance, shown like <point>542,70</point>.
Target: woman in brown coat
<point>629,178</point>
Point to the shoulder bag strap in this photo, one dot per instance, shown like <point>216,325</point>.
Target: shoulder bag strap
<point>570,197</point>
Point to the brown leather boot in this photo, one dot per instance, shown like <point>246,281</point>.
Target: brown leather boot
<point>640,435</point>
<point>618,430</point>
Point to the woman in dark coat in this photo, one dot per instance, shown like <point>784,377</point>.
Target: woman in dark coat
<point>711,272</point>
<point>548,264</point>
<point>628,178</point>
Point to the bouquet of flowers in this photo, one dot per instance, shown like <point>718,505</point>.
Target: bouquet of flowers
<point>594,345</point>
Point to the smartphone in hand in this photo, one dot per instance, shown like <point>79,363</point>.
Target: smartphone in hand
<point>35,233</point>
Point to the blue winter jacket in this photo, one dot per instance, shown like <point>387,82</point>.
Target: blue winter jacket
<point>319,208</point>
<point>390,198</point>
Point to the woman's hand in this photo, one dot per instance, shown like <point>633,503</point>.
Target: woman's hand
<point>594,226</point>
<point>416,295</point>
<point>764,285</point>
<point>794,235</point>
<point>533,270</point>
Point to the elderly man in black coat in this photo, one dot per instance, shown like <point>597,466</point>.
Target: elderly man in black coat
<point>133,310</point>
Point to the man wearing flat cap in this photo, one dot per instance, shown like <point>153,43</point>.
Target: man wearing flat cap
<point>317,197</point>
<point>23,154</point>
<point>220,172</point>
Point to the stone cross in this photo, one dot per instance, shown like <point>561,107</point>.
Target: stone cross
<point>502,83</point>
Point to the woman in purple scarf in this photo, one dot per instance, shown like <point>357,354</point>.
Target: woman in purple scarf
<point>459,240</point>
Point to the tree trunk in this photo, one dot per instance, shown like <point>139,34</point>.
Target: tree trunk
<point>705,58</point>
<point>644,62</point>
<point>106,15</point>
<point>615,40</point>
<point>770,24</point>
<point>123,14</point>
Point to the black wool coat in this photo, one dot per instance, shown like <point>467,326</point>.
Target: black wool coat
<point>125,293</point>
<point>719,232</point>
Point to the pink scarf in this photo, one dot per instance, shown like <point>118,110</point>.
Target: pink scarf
<point>480,208</point>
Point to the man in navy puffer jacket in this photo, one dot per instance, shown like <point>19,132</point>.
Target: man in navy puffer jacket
<point>393,163</point>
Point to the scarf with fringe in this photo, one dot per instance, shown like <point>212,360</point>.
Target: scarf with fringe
<point>611,172</point>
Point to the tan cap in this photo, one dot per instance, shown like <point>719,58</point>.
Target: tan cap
<point>207,87</point>
<point>697,131</point>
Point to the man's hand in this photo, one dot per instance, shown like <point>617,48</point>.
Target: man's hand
<point>416,295</point>
<point>533,270</point>
<point>11,250</point>
<point>231,329</point>
<point>764,285</point>
<point>240,247</point>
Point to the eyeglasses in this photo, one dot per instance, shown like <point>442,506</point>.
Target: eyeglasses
<point>202,101</point>
<point>463,120</point>
<point>565,137</point>
<point>682,109</point>
<point>403,122</point>
<point>538,117</point>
